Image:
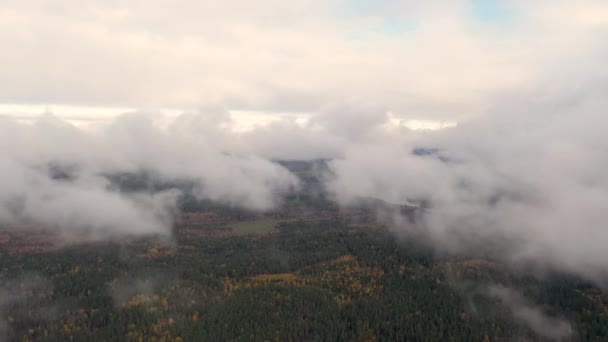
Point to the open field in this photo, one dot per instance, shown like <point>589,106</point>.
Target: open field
<point>256,226</point>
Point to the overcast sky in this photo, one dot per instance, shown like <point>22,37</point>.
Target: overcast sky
<point>421,60</point>
<point>516,93</point>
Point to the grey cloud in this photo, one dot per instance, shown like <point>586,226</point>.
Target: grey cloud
<point>530,172</point>
<point>86,203</point>
<point>84,206</point>
<point>533,317</point>
<point>526,162</point>
<point>276,55</point>
<point>325,134</point>
<point>353,120</point>
<point>287,140</point>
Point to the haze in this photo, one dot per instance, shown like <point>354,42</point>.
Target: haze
<point>506,99</point>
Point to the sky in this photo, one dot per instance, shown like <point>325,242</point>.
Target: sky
<point>442,61</point>
<point>509,96</point>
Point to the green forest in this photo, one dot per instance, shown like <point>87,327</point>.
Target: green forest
<point>315,280</point>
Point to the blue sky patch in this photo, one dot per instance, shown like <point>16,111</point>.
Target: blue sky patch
<point>491,11</point>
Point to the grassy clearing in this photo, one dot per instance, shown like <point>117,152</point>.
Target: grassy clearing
<point>255,227</point>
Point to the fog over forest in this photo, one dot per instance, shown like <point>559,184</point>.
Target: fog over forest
<point>486,119</point>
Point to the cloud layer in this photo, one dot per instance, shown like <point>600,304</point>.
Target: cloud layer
<point>423,61</point>
<point>84,201</point>
<point>531,172</point>
<point>527,86</point>
<point>552,328</point>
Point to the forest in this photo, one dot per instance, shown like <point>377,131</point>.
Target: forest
<point>312,280</point>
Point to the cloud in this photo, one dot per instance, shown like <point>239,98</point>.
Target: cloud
<point>287,140</point>
<point>533,317</point>
<point>524,162</point>
<point>83,206</point>
<point>84,201</point>
<point>324,134</point>
<point>352,120</point>
<point>528,174</point>
<point>296,56</point>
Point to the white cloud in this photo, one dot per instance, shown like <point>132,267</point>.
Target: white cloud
<point>529,172</point>
<point>528,95</point>
<point>553,328</point>
<point>187,149</point>
<point>271,55</point>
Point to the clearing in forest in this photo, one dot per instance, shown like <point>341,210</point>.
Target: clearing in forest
<point>255,226</point>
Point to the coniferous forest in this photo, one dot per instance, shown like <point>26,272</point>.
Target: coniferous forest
<point>313,280</point>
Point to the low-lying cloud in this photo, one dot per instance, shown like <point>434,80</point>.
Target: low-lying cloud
<point>533,317</point>
<point>56,175</point>
<point>525,164</point>
<point>531,172</point>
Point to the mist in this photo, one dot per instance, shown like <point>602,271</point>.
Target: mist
<point>529,175</point>
<point>526,176</point>
<point>380,155</point>
<point>553,328</point>
<point>56,175</point>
